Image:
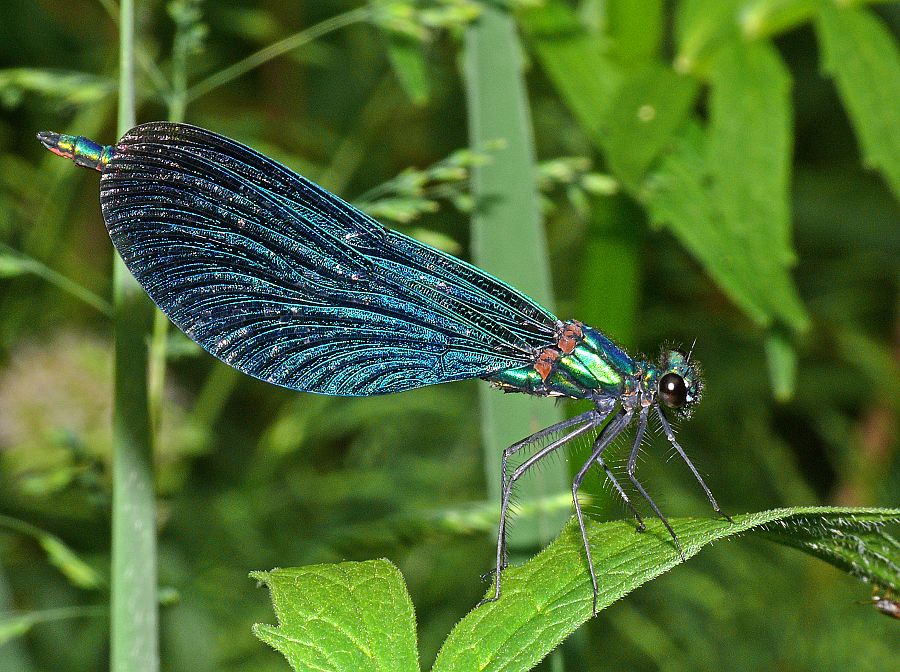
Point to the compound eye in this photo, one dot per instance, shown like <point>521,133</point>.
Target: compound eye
<point>672,390</point>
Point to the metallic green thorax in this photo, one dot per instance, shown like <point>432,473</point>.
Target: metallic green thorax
<point>596,365</point>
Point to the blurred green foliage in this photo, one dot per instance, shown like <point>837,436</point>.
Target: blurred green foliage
<point>748,155</point>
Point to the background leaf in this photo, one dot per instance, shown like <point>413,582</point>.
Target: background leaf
<point>407,55</point>
<point>862,56</point>
<point>648,108</point>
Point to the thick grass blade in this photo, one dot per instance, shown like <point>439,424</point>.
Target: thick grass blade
<point>134,614</point>
<point>508,241</point>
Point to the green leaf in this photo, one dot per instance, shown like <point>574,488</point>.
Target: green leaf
<point>76,570</point>
<point>407,56</point>
<point>548,597</point>
<point>347,617</point>
<point>630,116</point>
<point>750,141</point>
<point>701,26</point>
<point>861,55</point>
<point>72,88</point>
<point>782,360</point>
<point>573,59</point>
<point>765,18</point>
<point>636,29</point>
<point>12,266</point>
<point>62,557</point>
<point>13,626</point>
<point>678,196</point>
<point>855,543</point>
<point>649,107</point>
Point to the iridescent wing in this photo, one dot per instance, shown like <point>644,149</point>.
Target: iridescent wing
<point>288,283</point>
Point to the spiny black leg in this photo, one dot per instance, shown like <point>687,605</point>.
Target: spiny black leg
<point>592,416</point>
<point>507,490</point>
<point>601,443</point>
<point>632,464</point>
<point>670,435</point>
<point>625,497</point>
<point>537,436</point>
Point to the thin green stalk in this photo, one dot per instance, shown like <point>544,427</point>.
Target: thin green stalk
<point>148,65</point>
<point>134,617</point>
<point>156,373</point>
<point>61,614</point>
<point>281,47</point>
<point>508,240</point>
<point>31,265</point>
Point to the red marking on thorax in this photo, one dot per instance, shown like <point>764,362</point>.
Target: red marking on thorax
<point>546,362</point>
<point>570,337</point>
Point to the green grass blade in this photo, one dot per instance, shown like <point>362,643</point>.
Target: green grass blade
<point>13,262</point>
<point>548,597</point>
<point>636,29</point>
<point>61,556</point>
<point>275,50</point>
<point>863,57</point>
<point>348,617</point>
<point>134,617</point>
<point>15,625</point>
<point>60,86</point>
<point>508,240</point>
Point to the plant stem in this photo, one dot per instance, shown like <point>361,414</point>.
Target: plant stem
<point>134,617</point>
<point>274,50</point>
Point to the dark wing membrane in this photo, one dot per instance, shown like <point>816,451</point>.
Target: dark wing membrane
<point>288,283</point>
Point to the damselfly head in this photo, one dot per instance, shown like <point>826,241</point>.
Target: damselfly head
<point>679,384</point>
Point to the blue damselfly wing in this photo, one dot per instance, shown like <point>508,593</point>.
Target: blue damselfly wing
<point>288,283</point>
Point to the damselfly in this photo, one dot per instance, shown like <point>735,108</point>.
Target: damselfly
<point>288,283</point>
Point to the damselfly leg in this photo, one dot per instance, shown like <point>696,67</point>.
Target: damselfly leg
<point>589,423</point>
<point>670,435</point>
<point>625,498</point>
<point>588,416</point>
<point>632,465</point>
<point>601,443</point>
